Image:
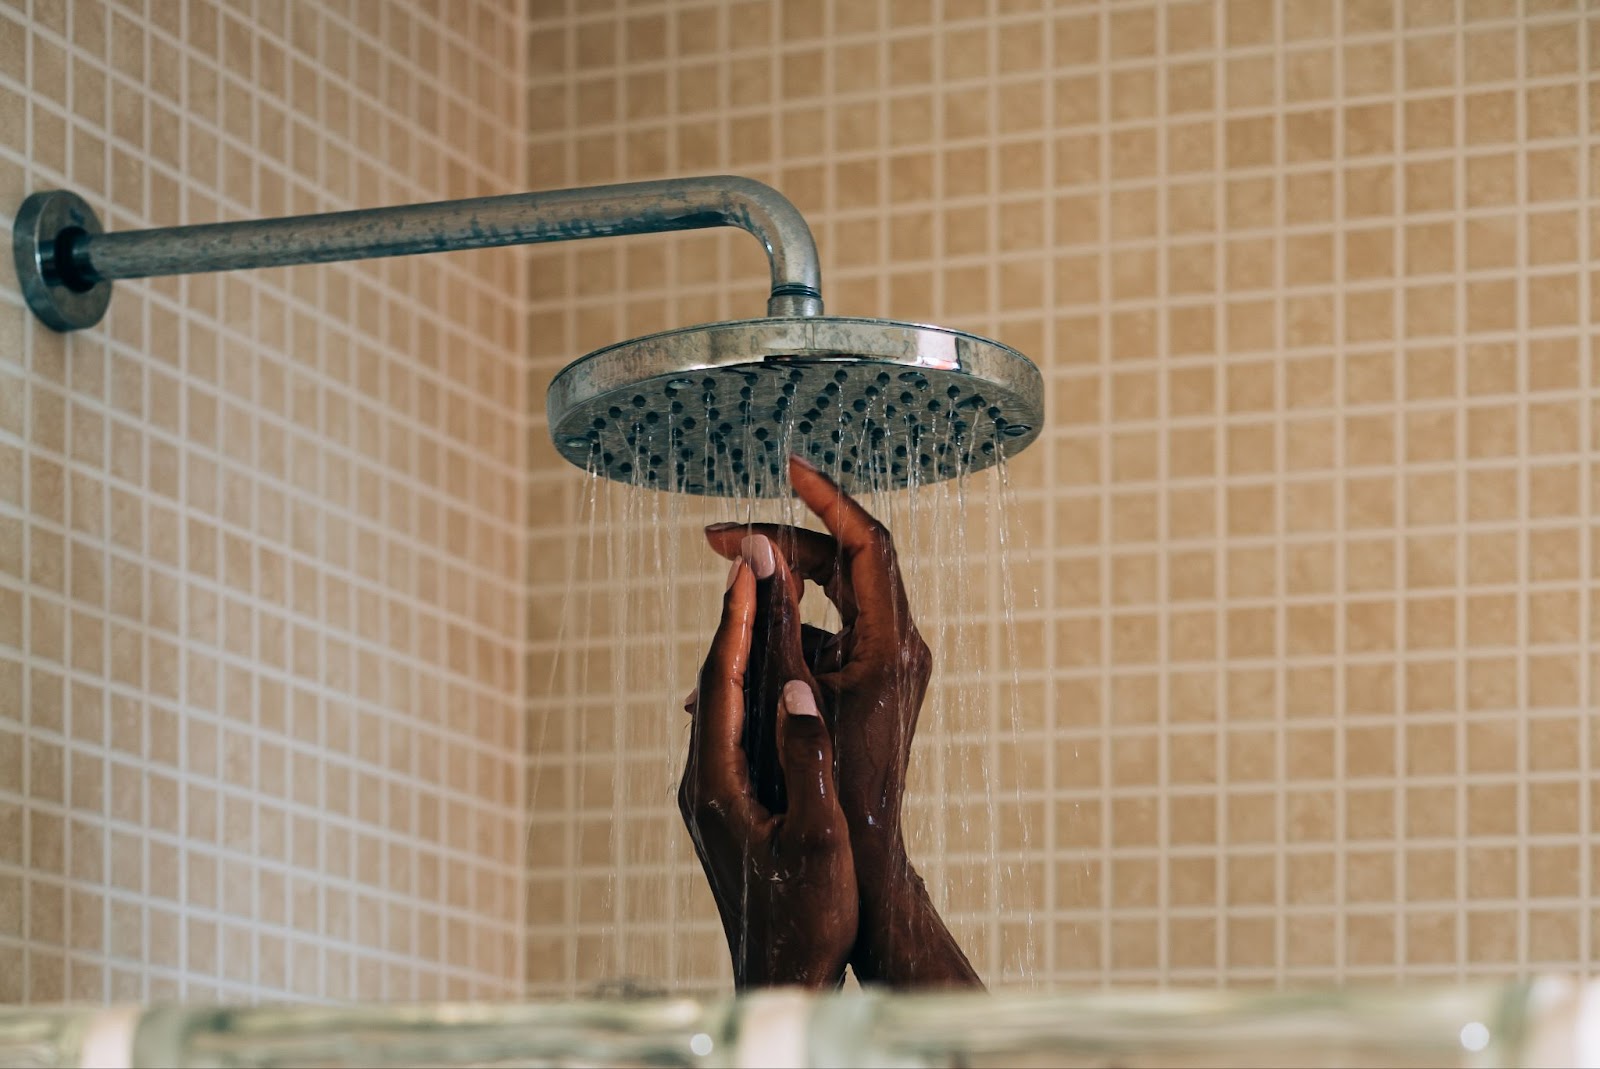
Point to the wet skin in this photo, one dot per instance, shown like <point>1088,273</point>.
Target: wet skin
<point>783,880</point>
<point>869,680</point>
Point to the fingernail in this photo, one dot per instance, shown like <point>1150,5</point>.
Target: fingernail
<point>733,572</point>
<point>718,528</point>
<point>757,549</point>
<point>798,700</point>
<point>692,700</point>
<point>803,462</point>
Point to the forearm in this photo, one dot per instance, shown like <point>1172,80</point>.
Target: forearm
<point>902,941</point>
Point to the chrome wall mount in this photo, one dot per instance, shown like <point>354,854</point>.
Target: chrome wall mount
<point>47,229</point>
<point>710,409</point>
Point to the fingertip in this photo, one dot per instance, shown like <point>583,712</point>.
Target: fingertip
<point>738,571</point>
<point>808,480</point>
<point>724,539</point>
<point>797,699</point>
<point>820,493</point>
<point>759,552</point>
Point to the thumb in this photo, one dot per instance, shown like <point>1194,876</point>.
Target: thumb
<point>806,753</point>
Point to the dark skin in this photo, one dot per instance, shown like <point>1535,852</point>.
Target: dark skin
<point>870,679</point>
<point>783,881</point>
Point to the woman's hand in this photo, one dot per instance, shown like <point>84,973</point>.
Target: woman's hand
<point>784,882</point>
<point>872,676</point>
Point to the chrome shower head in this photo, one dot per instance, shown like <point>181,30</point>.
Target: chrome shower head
<point>711,410</point>
<point>715,409</point>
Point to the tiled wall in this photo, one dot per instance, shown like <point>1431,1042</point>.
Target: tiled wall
<point>261,534</point>
<point>1285,677</point>
<point>1303,659</point>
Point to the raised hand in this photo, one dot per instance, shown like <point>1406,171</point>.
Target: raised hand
<point>872,677</point>
<point>784,882</point>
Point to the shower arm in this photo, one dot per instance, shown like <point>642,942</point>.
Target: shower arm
<point>66,263</point>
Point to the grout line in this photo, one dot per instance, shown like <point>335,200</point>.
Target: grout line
<point>1214,421</point>
<point>1587,429</point>
<point>1164,935</point>
<point>1341,271</point>
<point>1461,427</point>
<point>1107,693</point>
<point>1521,611</point>
<point>1281,874</point>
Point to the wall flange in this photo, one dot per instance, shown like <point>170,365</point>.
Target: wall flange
<point>46,227</point>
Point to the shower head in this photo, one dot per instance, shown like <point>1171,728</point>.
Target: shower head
<point>715,409</point>
<point>708,410</point>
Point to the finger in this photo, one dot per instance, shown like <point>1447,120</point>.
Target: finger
<point>806,751</point>
<point>821,648</point>
<point>785,634</point>
<point>811,555</point>
<point>883,612</point>
<point>777,655</point>
<point>719,768</point>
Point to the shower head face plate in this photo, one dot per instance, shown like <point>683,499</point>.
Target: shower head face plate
<point>715,410</point>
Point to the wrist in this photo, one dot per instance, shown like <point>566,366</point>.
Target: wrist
<point>877,845</point>
<point>817,974</point>
<point>902,940</point>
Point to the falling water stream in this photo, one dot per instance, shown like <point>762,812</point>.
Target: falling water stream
<point>643,593</point>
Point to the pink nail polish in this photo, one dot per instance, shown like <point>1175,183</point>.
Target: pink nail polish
<point>733,573</point>
<point>803,462</point>
<point>757,549</point>
<point>797,698</point>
